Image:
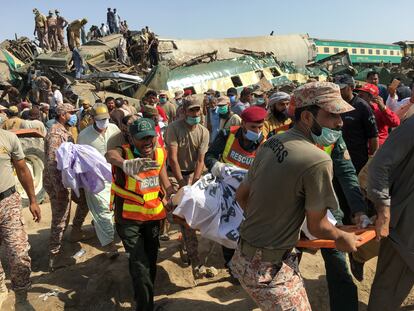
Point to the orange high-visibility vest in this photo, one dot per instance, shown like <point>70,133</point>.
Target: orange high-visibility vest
<point>234,154</point>
<point>141,198</point>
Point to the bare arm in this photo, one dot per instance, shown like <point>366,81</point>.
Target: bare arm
<point>199,167</point>
<point>373,145</point>
<point>25,178</point>
<point>175,166</point>
<point>114,157</point>
<point>319,226</point>
<point>242,194</point>
<point>165,182</point>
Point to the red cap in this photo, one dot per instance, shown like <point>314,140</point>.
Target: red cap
<point>188,92</point>
<point>370,88</point>
<point>253,114</point>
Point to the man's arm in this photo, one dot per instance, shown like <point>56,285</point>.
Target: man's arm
<point>345,174</point>
<point>114,157</point>
<point>395,150</point>
<point>242,194</point>
<point>25,178</point>
<point>199,167</point>
<point>175,166</point>
<point>373,144</point>
<point>165,182</point>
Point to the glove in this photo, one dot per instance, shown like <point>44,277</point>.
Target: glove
<point>136,166</point>
<point>216,169</point>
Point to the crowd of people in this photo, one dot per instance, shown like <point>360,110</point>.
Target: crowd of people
<point>306,152</point>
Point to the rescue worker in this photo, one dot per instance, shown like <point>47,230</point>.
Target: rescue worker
<point>277,120</point>
<point>61,24</point>
<point>14,122</point>
<point>13,237</point>
<point>139,172</point>
<point>74,32</point>
<point>52,181</point>
<point>41,29</point>
<point>52,32</point>
<point>264,262</point>
<point>236,147</point>
<point>227,117</point>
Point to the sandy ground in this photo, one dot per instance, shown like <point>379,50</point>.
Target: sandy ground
<point>97,283</point>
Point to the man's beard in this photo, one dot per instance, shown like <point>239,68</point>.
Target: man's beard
<point>280,116</point>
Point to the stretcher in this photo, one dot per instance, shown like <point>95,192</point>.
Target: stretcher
<point>366,235</point>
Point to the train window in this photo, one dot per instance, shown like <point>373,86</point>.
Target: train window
<point>370,51</point>
<point>378,52</point>
<point>336,50</point>
<point>326,50</point>
<point>354,51</point>
<point>385,52</point>
<point>391,52</point>
<point>259,74</point>
<point>362,51</point>
<point>236,81</point>
<point>275,72</point>
<point>191,88</point>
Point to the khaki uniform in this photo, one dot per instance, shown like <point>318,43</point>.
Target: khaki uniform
<point>43,89</point>
<point>74,30</point>
<point>275,212</point>
<point>12,234</point>
<point>52,33</point>
<point>61,24</point>
<point>189,145</point>
<point>13,123</point>
<point>41,30</point>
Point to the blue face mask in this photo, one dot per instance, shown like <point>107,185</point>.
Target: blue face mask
<point>73,120</point>
<point>260,101</point>
<point>163,100</point>
<point>232,99</point>
<point>253,136</point>
<point>193,120</point>
<point>223,109</point>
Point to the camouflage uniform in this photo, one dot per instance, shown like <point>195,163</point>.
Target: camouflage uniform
<point>58,194</point>
<point>273,286</point>
<point>15,240</point>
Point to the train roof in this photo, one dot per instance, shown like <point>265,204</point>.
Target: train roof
<point>391,45</point>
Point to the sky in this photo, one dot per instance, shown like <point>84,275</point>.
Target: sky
<point>381,21</point>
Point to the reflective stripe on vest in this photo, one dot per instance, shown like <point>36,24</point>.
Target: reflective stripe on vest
<point>141,198</point>
<point>234,154</point>
<point>328,149</point>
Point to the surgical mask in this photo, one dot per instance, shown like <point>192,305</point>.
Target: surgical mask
<point>253,136</point>
<point>326,137</point>
<point>232,99</point>
<point>223,109</point>
<point>260,101</point>
<point>179,102</point>
<point>163,100</point>
<point>72,120</point>
<point>102,124</point>
<point>193,120</point>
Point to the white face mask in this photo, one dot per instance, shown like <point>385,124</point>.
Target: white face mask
<point>102,124</point>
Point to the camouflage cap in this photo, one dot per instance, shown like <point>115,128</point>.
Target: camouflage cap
<point>65,107</point>
<point>149,111</point>
<point>326,95</point>
<point>223,101</point>
<point>191,102</point>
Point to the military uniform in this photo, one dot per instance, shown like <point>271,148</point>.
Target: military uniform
<point>41,30</point>
<point>61,24</point>
<point>58,194</point>
<point>52,32</point>
<point>12,233</point>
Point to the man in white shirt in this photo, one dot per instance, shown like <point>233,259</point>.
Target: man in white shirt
<point>57,97</point>
<point>97,136</point>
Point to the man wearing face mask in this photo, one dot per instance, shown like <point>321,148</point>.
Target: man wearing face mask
<point>271,227</point>
<point>187,142</point>
<point>52,181</point>
<point>139,172</point>
<point>227,117</point>
<point>151,99</point>
<point>97,136</point>
<point>260,98</point>
<point>178,98</point>
<point>236,146</point>
<point>277,121</point>
<point>168,107</point>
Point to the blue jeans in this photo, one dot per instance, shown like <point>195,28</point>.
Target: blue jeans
<point>343,293</point>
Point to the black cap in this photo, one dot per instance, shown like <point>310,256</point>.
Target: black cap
<point>231,91</point>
